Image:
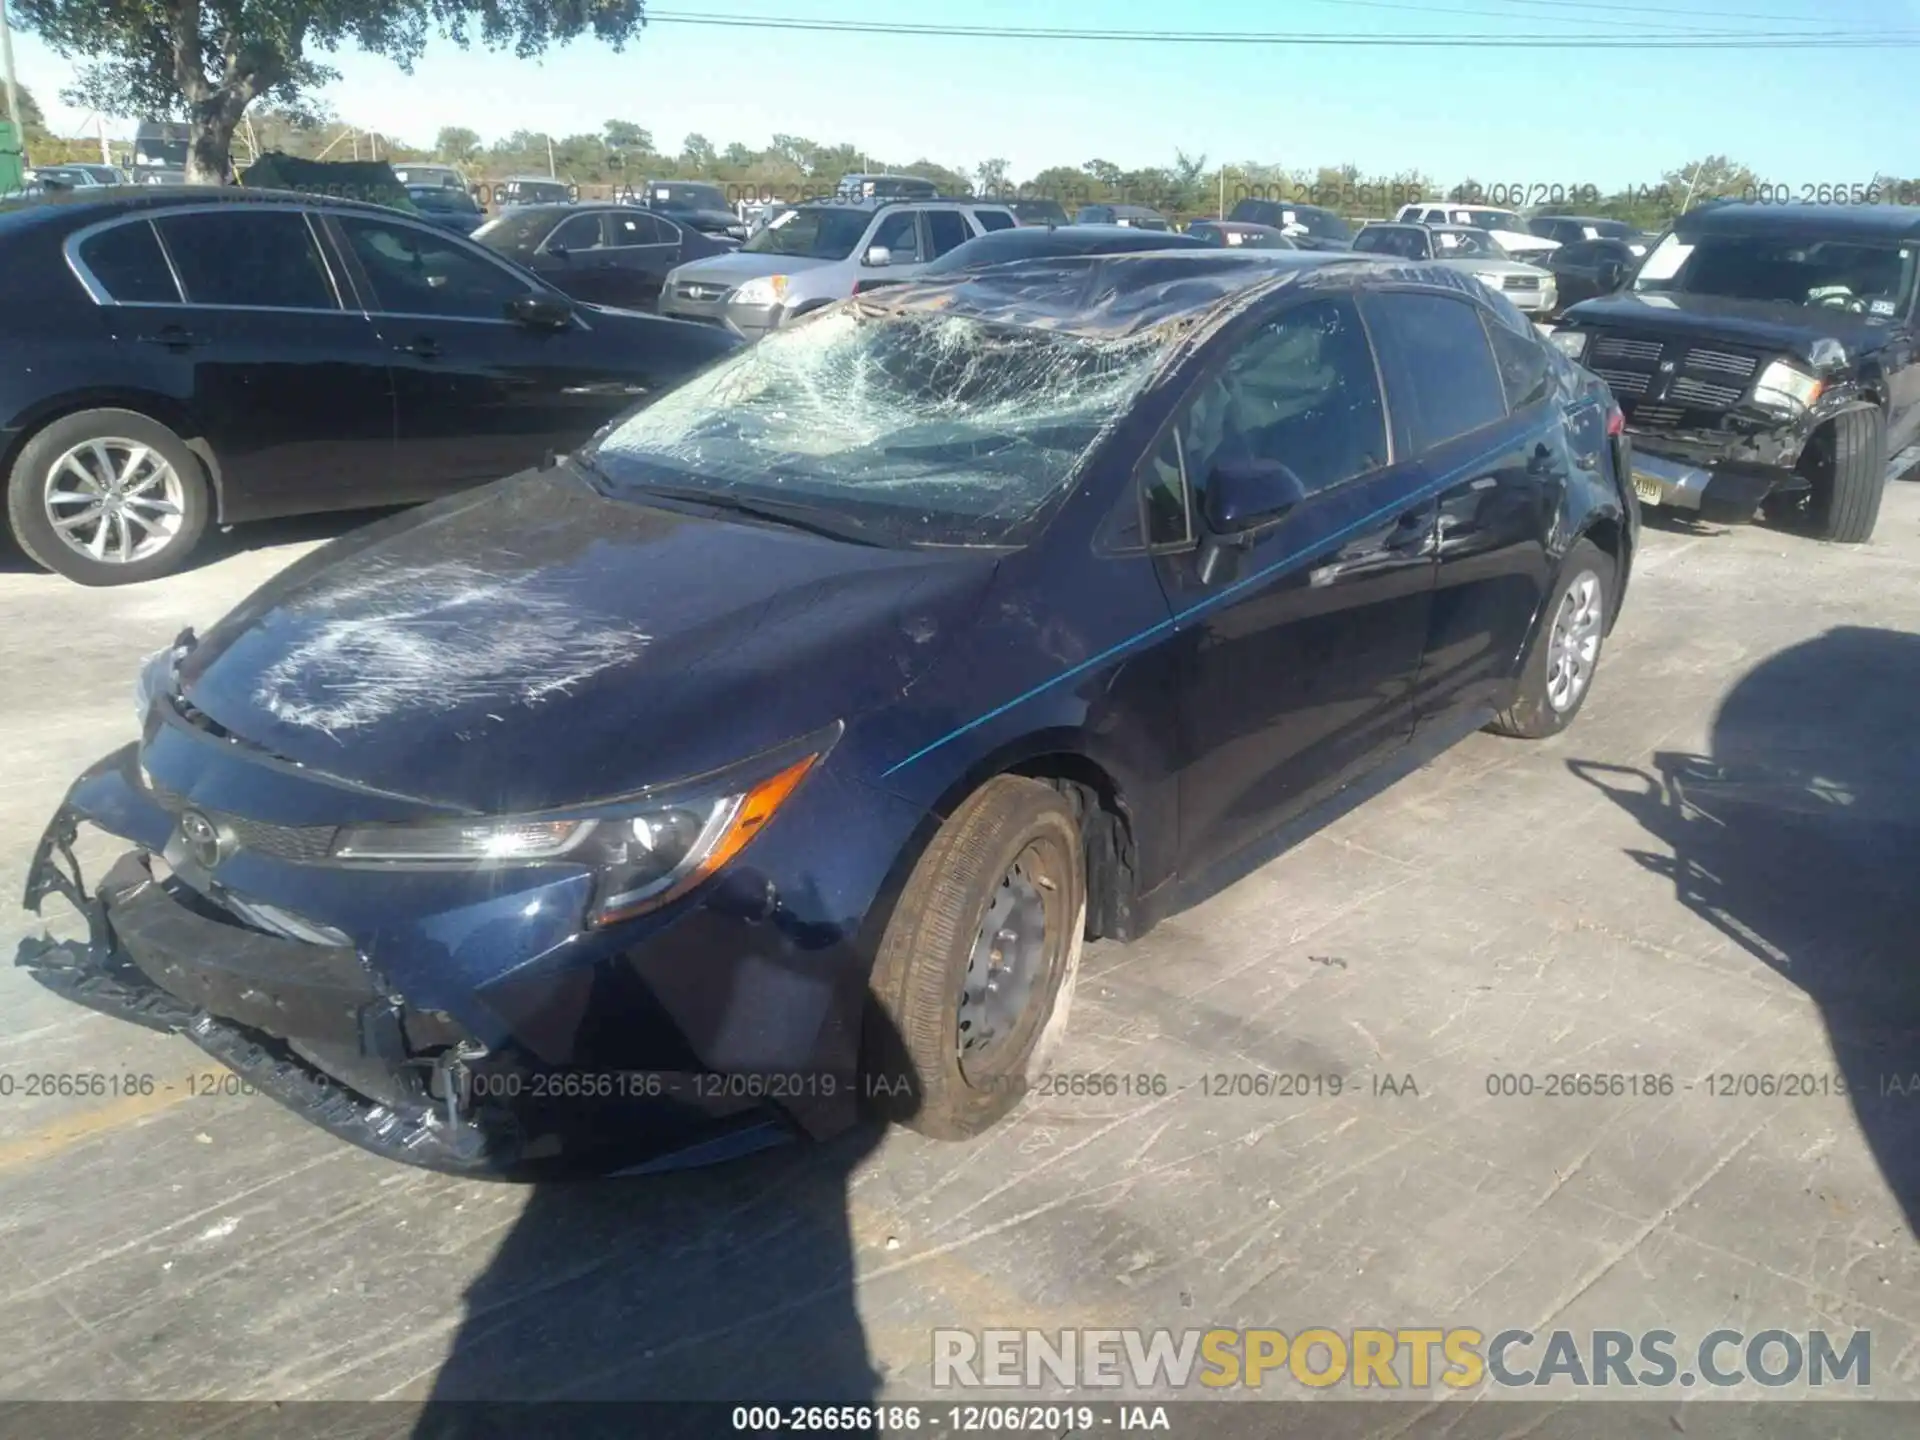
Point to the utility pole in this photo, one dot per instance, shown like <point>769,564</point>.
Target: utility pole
<point>1223,192</point>
<point>13,93</point>
<point>106,151</point>
<point>551,172</point>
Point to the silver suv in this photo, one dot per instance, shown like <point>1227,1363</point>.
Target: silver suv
<point>818,253</point>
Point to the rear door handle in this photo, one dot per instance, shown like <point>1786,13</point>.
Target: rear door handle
<point>174,337</point>
<point>426,347</point>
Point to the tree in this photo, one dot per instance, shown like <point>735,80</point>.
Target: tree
<point>456,144</point>
<point>994,177</point>
<point>697,154</point>
<point>1709,179</point>
<point>33,124</point>
<point>208,60</point>
<point>1105,172</point>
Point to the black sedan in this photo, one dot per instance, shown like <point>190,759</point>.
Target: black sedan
<point>182,357</point>
<point>1241,233</point>
<point>780,750</point>
<point>1030,242</point>
<point>609,254</point>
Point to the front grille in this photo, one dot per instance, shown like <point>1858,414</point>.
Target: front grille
<point>1520,282</point>
<point>1722,362</point>
<point>301,844</point>
<point>1657,417</point>
<point>690,290</point>
<point>1702,395</point>
<point>1625,382</point>
<point>1618,347</point>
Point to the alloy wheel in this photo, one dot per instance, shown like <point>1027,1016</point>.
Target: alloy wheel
<point>1573,650</point>
<point>115,501</point>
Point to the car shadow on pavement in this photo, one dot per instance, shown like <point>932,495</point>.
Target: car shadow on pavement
<point>1798,837</point>
<point>723,1274</point>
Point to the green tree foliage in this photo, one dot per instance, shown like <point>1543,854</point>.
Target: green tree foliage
<point>456,144</point>
<point>209,60</point>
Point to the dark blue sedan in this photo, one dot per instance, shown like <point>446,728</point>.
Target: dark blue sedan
<point>774,755</point>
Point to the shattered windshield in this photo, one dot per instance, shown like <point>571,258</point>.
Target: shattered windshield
<point>1865,279</point>
<point>925,428</point>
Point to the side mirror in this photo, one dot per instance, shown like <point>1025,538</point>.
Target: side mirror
<point>1242,495</point>
<point>1612,276</point>
<point>877,255</point>
<point>540,312</point>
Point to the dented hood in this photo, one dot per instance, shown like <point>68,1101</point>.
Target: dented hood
<point>537,643</point>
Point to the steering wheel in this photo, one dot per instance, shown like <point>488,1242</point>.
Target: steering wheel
<point>1839,297</point>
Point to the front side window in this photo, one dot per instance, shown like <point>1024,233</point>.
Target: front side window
<point>127,262</point>
<point>414,272</point>
<point>576,232</point>
<point>899,236</point>
<point>1303,391</point>
<point>246,256</point>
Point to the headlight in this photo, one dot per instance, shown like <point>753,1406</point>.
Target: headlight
<point>643,853</point>
<point>1570,343</point>
<point>1786,387</point>
<point>766,290</point>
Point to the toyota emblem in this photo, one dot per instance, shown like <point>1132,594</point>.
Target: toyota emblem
<point>200,839</point>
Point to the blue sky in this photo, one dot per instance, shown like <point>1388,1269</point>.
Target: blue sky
<point>1602,117</point>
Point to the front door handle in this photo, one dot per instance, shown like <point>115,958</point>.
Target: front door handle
<point>174,337</point>
<point>426,347</point>
<point>1411,531</point>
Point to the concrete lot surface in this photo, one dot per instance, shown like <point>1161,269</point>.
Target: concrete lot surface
<point>1711,875</point>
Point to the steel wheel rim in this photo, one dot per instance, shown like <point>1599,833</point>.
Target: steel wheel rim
<point>1573,649</point>
<point>115,501</point>
<point>1008,967</point>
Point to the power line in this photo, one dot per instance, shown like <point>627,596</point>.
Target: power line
<point>1600,9</point>
<point>1705,40</point>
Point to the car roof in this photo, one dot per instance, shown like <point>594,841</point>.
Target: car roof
<point>1121,295</point>
<point>1735,217</point>
<point>1028,242</point>
<point>99,202</point>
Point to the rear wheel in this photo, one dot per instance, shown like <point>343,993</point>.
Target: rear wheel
<point>975,972</point>
<point>1565,654</point>
<point>107,497</point>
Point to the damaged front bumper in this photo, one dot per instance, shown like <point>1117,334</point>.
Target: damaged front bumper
<point>1726,493</point>
<point>596,1054</point>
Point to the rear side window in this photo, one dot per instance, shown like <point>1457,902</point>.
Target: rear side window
<point>1522,364</point>
<point>243,256</point>
<point>948,229</point>
<point>126,260</point>
<point>640,228</point>
<point>1441,350</point>
<point>992,220</point>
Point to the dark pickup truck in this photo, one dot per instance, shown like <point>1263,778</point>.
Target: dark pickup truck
<point>1765,357</point>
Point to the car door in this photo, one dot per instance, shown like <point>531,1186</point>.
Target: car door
<point>945,230</point>
<point>640,249</point>
<point>573,257</point>
<point>1299,649</point>
<point>1476,399</point>
<point>289,387</point>
<point>478,395</point>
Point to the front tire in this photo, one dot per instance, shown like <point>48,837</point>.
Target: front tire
<point>975,972</point>
<point>1565,654</point>
<point>1847,488</point>
<point>107,497</point>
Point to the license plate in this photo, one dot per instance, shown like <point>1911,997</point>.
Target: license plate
<point>1647,490</point>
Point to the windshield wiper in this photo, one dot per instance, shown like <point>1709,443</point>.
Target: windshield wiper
<point>814,519</point>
